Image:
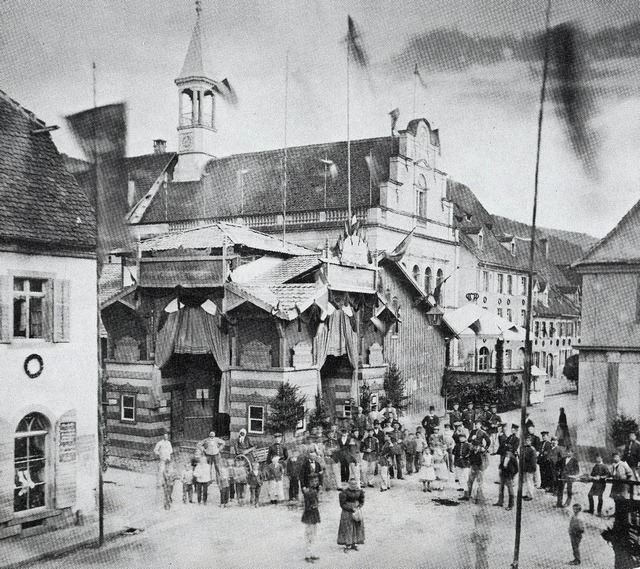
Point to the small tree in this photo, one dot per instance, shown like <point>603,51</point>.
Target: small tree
<point>620,429</point>
<point>286,409</point>
<point>320,416</point>
<point>570,370</point>
<point>395,388</point>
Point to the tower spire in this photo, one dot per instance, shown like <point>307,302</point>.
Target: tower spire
<point>194,66</point>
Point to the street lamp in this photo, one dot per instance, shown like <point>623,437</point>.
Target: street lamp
<point>434,316</point>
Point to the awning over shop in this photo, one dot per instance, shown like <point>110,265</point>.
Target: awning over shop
<point>473,319</point>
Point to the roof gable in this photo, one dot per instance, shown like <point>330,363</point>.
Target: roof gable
<point>40,201</point>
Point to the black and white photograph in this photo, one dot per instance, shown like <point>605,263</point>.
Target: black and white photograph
<point>342,283</point>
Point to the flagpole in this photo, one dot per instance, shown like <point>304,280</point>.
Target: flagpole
<point>284,189</point>
<point>528,346</point>
<point>98,337</point>
<point>348,137</point>
<point>415,87</point>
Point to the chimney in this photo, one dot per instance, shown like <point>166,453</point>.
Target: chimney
<point>544,242</point>
<point>159,146</point>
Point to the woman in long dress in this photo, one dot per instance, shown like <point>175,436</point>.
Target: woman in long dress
<point>351,531</point>
<point>562,431</point>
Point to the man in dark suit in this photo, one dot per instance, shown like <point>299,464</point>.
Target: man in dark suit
<point>513,440</point>
<point>430,421</point>
<point>479,434</point>
<point>568,470</point>
<point>469,416</point>
<point>494,423</point>
<point>556,454</point>
<point>277,449</point>
<point>455,416</point>
<point>546,472</point>
<point>343,454</point>
<point>310,467</point>
<point>502,440</point>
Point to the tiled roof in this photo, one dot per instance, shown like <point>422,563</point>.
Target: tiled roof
<point>40,201</point>
<point>212,236</point>
<point>285,301</point>
<point>289,269</point>
<point>558,306</point>
<point>219,193</point>
<point>110,281</point>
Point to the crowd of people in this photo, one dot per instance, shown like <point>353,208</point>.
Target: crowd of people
<point>375,450</point>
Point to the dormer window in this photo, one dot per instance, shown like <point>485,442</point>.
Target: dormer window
<point>481,240</point>
<point>513,247</point>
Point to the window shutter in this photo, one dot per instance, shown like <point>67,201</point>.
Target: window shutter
<point>6,305</point>
<point>6,472</point>
<point>61,324</point>
<point>66,461</point>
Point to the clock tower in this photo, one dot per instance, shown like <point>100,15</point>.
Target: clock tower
<point>197,133</point>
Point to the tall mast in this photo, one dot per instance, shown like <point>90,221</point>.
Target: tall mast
<point>532,246</point>
<point>284,179</point>
<point>348,139</point>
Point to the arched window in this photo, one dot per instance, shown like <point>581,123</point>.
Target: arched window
<point>186,107</point>
<point>30,463</point>
<point>427,280</point>
<point>416,273</point>
<point>550,367</point>
<point>207,112</point>
<point>483,359</point>
<point>439,290</point>
<point>521,358</point>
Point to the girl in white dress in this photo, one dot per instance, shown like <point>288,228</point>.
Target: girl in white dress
<point>426,474</point>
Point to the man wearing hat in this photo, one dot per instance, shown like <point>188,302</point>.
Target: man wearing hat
<point>513,441</point>
<point>455,416</point>
<point>546,474</point>
<point>494,423</point>
<point>502,439</point>
<point>477,463</point>
<point>461,464</point>
<point>479,434</point>
<point>277,449</point>
<point>469,416</point>
<point>343,454</point>
<point>370,448</point>
<point>430,421</point>
<point>556,454</point>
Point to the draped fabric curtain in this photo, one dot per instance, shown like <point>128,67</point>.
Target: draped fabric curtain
<point>320,347</point>
<point>350,339</point>
<point>166,339</point>
<point>191,330</point>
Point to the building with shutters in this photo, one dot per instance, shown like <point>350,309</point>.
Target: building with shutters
<point>48,348</point>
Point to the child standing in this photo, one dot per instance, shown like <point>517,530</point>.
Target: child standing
<point>576,531</point>
<point>427,473</point>
<point>311,516</point>
<point>187,484</point>
<point>240,471</point>
<point>224,484</point>
<point>274,474</point>
<point>255,484</point>
<point>202,476</point>
<point>293,473</point>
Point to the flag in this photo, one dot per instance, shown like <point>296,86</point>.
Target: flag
<point>355,45</point>
<point>416,72</point>
<point>331,167</point>
<point>395,115</point>
<point>101,133</point>
<point>227,92</point>
<point>570,92</point>
<point>397,254</point>
<point>374,168</point>
<point>438,290</point>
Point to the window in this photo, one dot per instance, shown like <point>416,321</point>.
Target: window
<point>509,284</point>
<point>523,286</point>
<point>256,419</point>
<point>485,281</point>
<point>507,359</point>
<point>509,315</point>
<point>421,203</point>
<point>302,423</point>
<point>544,329</point>
<point>570,329</point>
<point>427,280</point>
<point>500,283</point>
<point>561,329</point>
<point>29,307</point>
<point>536,359</point>
<point>513,248</point>
<point>128,407</point>
<point>374,402</point>
<point>416,273</point>
<point>536,327</point>
<point>481,240</point>
<point>30,463</point>
<point>483,359</point>
<point>500,312</point>
<point>523,318</point>
<point>207,110</point>
<point>346,410</point>
<point>186,107</point>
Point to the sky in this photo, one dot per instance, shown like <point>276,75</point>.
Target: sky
<point>478,61</point>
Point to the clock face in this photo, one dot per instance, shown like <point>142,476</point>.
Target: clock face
<point>186,141</point>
